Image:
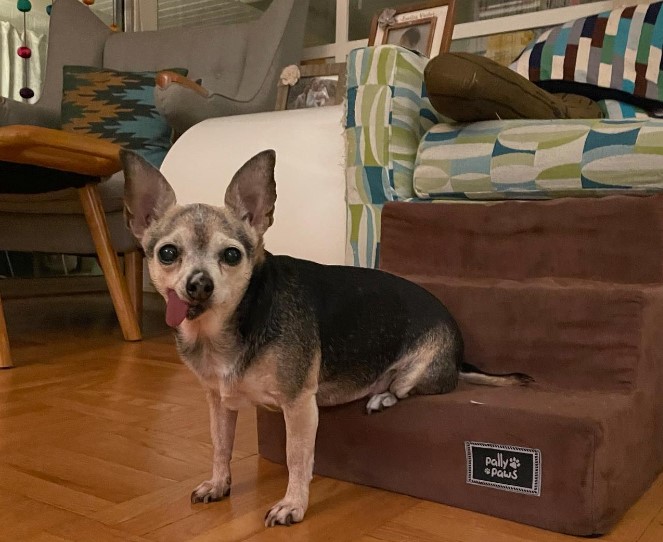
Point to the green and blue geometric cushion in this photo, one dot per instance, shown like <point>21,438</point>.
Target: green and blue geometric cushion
<point>540,159</point>
<point>387,113</point>
<point>117,106</point>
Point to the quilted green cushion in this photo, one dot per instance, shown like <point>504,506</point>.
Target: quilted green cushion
<point>613,55</point>
<point>117,106</point>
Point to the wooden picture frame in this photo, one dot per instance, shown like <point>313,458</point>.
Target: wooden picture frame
<point>425,27</point>
<point>318,85</point>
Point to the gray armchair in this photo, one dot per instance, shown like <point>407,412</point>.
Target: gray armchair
<point>237,64</point>
<point>245,80</point>
<point>77,214</point>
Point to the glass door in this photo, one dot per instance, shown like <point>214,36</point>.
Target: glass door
<point>511,22</point>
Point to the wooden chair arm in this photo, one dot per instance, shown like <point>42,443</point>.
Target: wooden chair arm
<point>60,150</point>
<point>165,79</point>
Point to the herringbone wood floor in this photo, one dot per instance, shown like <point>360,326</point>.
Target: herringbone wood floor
<point>102,440</point>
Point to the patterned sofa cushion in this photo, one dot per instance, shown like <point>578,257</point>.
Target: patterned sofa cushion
<point>540,159</point>
<point>614,109</point>
<point>612,55</point>
<point>117,106</point>
<point>387,113</point>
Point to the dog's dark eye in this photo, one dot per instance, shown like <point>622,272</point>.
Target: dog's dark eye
<point>168,254</point>
<point>231,256</point>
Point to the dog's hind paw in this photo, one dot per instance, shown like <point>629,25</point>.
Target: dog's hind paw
<point>380,401</point>
<point>284,513</point>
<point>209,492</point>
<point>522,379</point>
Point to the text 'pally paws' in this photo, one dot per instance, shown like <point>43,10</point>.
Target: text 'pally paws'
<point>284,513</point>
<point>209,491</point>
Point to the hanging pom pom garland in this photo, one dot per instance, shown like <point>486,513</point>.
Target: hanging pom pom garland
<point>113,26</point>
<point>24,51</point>
<point>24,6</point>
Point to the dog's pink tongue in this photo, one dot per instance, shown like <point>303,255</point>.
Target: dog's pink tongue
<point>175,309</point>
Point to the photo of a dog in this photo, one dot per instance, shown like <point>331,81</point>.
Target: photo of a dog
<point>281,332</point>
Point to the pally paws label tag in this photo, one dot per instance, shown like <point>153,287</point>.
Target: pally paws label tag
<point>509,468</point>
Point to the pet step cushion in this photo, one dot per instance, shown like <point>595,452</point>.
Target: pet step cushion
<point>591,465</point>
<point>594,414</point>
<point>616,239</point>
<point>566,290</point>
<point>567,334</point>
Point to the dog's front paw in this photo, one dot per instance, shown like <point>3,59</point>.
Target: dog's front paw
<point>210,491</point>
<point>285,512</point>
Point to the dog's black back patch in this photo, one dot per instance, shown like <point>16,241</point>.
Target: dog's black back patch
<point>364,319</point>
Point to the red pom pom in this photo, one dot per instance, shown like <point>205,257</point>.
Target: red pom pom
<point>24,52</point>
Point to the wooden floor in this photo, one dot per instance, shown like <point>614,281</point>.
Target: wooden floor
<point>102,440</point>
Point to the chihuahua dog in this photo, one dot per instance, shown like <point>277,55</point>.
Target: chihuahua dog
<point>281,332</point>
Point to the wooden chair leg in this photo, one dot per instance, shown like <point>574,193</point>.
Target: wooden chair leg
<point>96,220</point>
<point>133,271</point>
<point>5,357</point>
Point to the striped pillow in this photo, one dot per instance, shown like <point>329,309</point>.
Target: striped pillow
<point>613,55</point>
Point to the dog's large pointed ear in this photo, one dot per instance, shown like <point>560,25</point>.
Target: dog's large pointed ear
<point>147,194</point>
<point>251,194</point>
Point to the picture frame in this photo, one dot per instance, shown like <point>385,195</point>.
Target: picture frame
<point>425,27</point>
<point>311,85</point>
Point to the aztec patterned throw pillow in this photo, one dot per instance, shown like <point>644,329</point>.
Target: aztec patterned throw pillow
<point>117,106</point>
<point>612,55</point>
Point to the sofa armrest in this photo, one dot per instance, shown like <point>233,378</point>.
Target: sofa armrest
<point>14,112</point>
<point>181,101</point>
<point>166,78</point>
<point>184,103</point>
<point>387,115</point>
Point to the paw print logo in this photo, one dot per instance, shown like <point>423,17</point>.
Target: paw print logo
<point>487,471</point>
<point>514,463</point>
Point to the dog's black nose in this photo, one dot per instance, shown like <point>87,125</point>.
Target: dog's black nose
<point>199,286</point>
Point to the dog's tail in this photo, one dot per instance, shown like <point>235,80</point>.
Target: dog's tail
<point>474,375</point>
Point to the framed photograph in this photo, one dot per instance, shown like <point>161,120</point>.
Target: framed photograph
<point>425,27</point>
<point>312,85</point>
